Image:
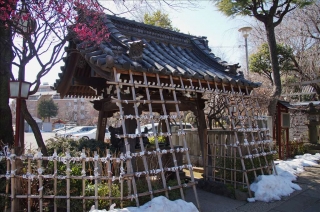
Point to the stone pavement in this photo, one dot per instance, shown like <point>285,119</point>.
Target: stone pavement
<point>305,200</point>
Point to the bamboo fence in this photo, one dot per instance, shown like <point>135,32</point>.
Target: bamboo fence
<point>37,178</point>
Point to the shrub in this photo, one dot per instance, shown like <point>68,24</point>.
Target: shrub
<point>93,145</point>
<point>297,148</point>
<point>61,145</point>
<point>3,200</point>
<point>161,139</point>
<point>103,191</point>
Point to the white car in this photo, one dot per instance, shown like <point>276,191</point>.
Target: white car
<point>65,128</point>
<point>89,135</point>
<point>174,127</point>
<point>69,133</point>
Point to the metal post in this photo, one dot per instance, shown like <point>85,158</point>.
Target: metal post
<point>245,33</point>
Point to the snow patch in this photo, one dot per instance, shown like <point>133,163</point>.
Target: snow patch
<point>269,188</point>
<point>157,204</point>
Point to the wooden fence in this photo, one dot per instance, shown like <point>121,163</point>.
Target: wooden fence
<point>192,139</point>
<point>45,187</point>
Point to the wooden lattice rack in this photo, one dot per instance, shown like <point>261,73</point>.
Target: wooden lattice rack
<point>229,159</point>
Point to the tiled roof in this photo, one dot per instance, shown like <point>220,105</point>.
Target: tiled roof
<point>163,51</point>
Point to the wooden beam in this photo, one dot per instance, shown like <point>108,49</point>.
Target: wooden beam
<point>176,79</point>
<point>91,81</point>
<point>101,126</point>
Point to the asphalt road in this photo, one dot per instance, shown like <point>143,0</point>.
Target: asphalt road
<point>30,141</point>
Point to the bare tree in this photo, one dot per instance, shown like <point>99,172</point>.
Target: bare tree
<point>43,27</point>
<point>216,111</point>
<point>303,26</point>
<point>300,31</point>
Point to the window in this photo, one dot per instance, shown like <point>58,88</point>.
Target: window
<point>285,120</point>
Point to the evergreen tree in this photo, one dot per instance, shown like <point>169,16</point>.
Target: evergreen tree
<point>260,61</point>
<point>159,19</point>
<point>47,109</point>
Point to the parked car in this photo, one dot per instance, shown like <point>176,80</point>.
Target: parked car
<point>173,126</point>
<point>65,128</point>
<point>89,135</point>
<point>69,133</point>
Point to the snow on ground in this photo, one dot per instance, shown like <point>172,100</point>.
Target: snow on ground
<point>157,204</point>
<point>269,188</point>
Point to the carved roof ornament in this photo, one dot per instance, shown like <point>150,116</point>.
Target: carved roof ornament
<point>232,69</point>
<point>136,49</point>
<point>205,41</point>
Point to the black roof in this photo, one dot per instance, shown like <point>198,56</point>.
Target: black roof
<point>163,51</point>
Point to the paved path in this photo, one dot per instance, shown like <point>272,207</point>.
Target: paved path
<point>305,200</point>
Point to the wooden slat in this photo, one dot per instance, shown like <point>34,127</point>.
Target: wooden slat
<point>184,139</point>
<point>29,182</point>
<point>12,177</point>
<point>247,121</point>
<point>237,146</point>
<point>164,183</point>
<point>127,145</point>
<point>144,159</point>
<point>68,170</point>
<point>83,173</point>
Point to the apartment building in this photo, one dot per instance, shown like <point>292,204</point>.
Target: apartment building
<point>71,110</point>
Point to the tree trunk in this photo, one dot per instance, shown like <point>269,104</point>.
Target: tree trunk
<point>6,57</point>
<point>34,126</point>
<point>272,43</point>
<point>209,122</point>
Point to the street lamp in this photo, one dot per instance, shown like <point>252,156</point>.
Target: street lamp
<point>18,90</point>
<point>245,33</point>
<point>25,25</point>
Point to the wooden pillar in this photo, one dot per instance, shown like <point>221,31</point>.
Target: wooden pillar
<point>278,130</point>
<point>202,129</point>
<point>131,124</point>
<point>101,126</point>
<point>288,147</point>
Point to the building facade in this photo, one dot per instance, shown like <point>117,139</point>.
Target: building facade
<point>71,110</point>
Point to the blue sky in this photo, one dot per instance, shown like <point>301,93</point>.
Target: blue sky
<point>222,33</point>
